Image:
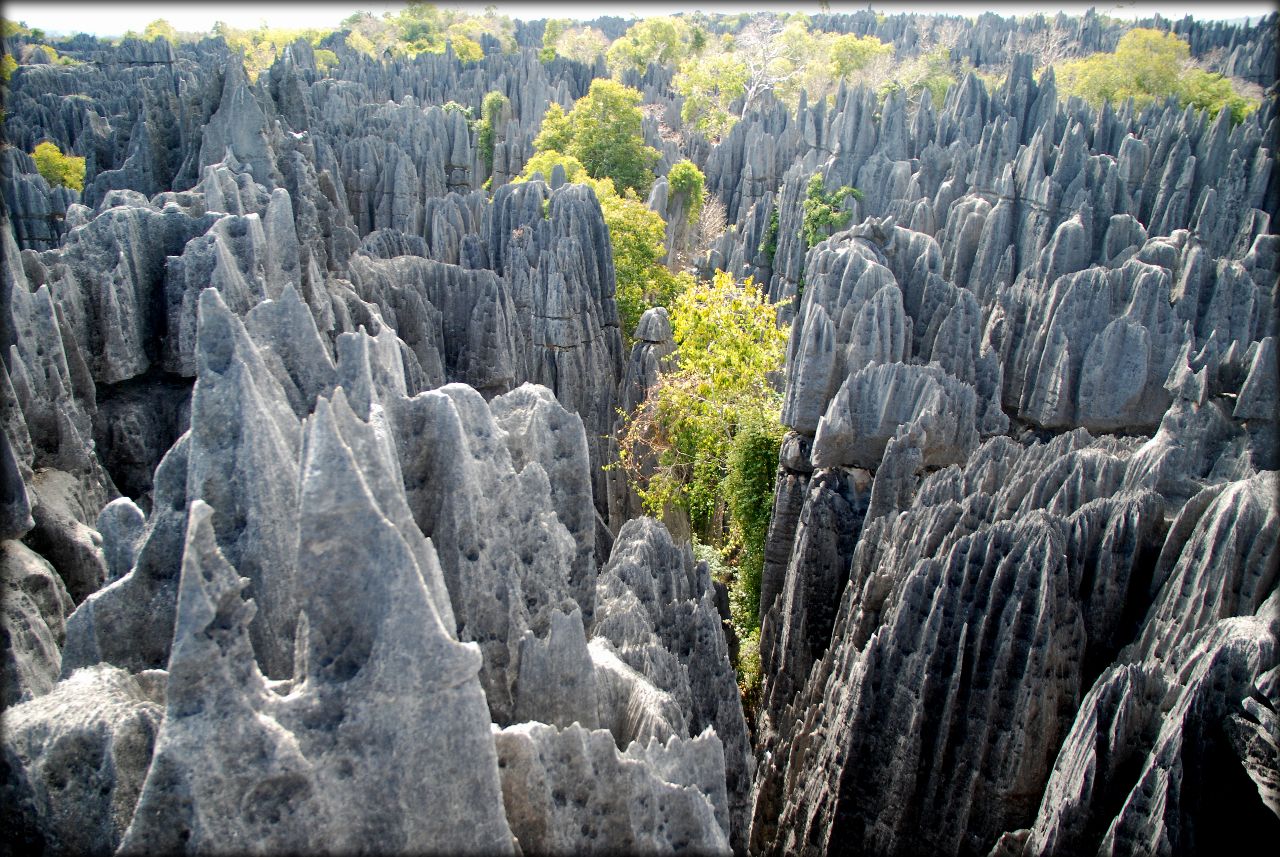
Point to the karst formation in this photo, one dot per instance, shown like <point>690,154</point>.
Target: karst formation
<point>314,538</point>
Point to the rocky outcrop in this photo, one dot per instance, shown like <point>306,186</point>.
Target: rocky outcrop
<point>76,759</point>
<point>36,605</point>
<point>655,611</point>
<point>573,792</point>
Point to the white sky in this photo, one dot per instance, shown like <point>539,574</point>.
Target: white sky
<point>113,19</point>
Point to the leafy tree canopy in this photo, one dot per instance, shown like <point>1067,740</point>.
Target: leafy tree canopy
<point>603,131</point>
<point>727,346</point>
<point>487,127</point>
<point>685,178</point>
<point>710,86</point>
<point>706,439</point>
<point>57,168</point>
<point>1150,66</point>
<point>160,28</point>
<point>662,40</point>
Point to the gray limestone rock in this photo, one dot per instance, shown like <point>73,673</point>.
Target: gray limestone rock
<point>36,605</point>
<point>571,791</point>
<point>121,525</point>
<point>76,758</point>
<point>243,455</point>
<point>872,402</point>
<point>239,126</point>
<point>656,608</point>
<point>556,683</point>
<point>1219,560</point>
<point>539,430</point>
<point>62,513</point>
<point>1122,780</point>
<point>1056,266</point>
<point>505,554</point>
<point>129,623</point>
<point>15,504</point>
<point>349,743</point>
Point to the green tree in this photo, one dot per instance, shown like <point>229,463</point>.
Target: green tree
<point>326,60</point>
<point>636,234</point>
<point>466,49</point>
<point>1210,91</point>
<point>582,44</point>
<point>851,53</point>
<point>709,86</point>
<point>685,178</point>
<point>554,135</point>
<point>160,28</point>
<point>663,40</point>
<point>1152,59</point>
<point>545,161</point>
<point>487,127</point>
<point>554,28</point>
<point>706,440</point>
<point>1150,66</point>
<point>727,346</point>
<point>822,211</point>
<point>604,132</point>
<point>57,168</point>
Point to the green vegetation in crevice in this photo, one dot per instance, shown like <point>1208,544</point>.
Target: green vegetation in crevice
<point>685,178</point>
<point>486,126</point>
<point>705,441</point>
<point>59,169</point>
<point>822,211</point>
<point>769,241</point>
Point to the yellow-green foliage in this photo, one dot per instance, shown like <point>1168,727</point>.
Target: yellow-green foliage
<point>727,346</point>
<point>822,209</point>
<point>162,29</point>
<point>603,131</point>
<point>709,86</point>
<point>1211,91</point>
<point>706,439</point>
<point>491,108</point>
<point>261,47</point>
<point>686,178</point>
<point>424,28</point>
<point>851,53</point>
<point>8,65</point>
<point>544,162</point>
<point>57,168</point>
<point>466,49</point>
<point>661,40</point>
<point>554,28</point>
<point>582,44</point>
<point>1150,66</point>
<point>636,235</point>
<point>326,60</point>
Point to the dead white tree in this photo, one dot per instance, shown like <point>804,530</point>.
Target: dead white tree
<point>1049,46</point>
<point>766,55</point>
